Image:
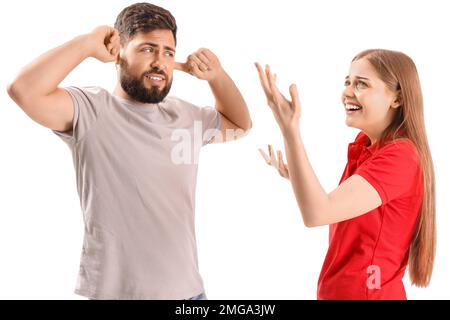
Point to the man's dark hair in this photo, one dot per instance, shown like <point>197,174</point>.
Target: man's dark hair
<point>144,17</point>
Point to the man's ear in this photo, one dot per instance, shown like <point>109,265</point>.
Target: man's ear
<point>117,62</point>
<point>121,53</point>
<point>398,101</point>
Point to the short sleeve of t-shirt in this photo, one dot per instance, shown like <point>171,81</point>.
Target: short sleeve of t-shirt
<point>393,171</point>
<point>210,120</point>
<point>85,102</point>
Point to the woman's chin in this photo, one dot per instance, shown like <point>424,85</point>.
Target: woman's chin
<point>352,124</point>
<point>349,123</point>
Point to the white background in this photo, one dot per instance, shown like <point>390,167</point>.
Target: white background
<point>251,239</point>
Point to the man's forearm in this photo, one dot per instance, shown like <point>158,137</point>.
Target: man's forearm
<point>230,102</point>
<point>42,76</point>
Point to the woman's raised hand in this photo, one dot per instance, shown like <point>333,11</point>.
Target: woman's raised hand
<point>276,161</point>
<point>286,113</point>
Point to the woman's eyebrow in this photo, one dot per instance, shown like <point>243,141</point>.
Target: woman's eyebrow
<point>358,77</point>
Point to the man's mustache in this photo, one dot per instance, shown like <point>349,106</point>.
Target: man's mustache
<point>156,71</point>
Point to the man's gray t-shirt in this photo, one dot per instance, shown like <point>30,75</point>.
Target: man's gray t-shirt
<point>137,196</point>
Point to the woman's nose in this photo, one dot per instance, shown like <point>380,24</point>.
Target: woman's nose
<point>348,92</point>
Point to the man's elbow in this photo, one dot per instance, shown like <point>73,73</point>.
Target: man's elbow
<point>249,125</point>
<point>246,128</point>
<point>11,88</point>
<point>16,92</point>
<point>239,132</point>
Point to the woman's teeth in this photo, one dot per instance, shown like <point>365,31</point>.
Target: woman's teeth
<point>350,107</point>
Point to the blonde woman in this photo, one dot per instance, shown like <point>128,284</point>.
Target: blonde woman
<point>382,215</point>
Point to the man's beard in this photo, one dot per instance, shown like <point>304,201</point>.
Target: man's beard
<point>136,89</point>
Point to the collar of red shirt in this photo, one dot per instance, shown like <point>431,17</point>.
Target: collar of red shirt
<point>361,149</point>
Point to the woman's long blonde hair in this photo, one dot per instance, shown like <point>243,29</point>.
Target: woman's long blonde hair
<point>399,73</point>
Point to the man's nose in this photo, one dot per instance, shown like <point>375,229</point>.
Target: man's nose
<point>158,63</point>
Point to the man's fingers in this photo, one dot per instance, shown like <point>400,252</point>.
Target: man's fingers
<point>208,54</point>
<point>181,67</point>
<point>113,32</point>
<point>203,56</point>
<point>113,48</point>
<point>111,35</point>
<point>194,69</point>
<point>114,38</point>
<point>198,62</point>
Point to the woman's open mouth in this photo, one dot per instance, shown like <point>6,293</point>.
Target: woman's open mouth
<point>351,108</point>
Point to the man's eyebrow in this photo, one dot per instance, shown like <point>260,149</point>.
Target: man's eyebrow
<point>358,77</point>
<point>156,45</point>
